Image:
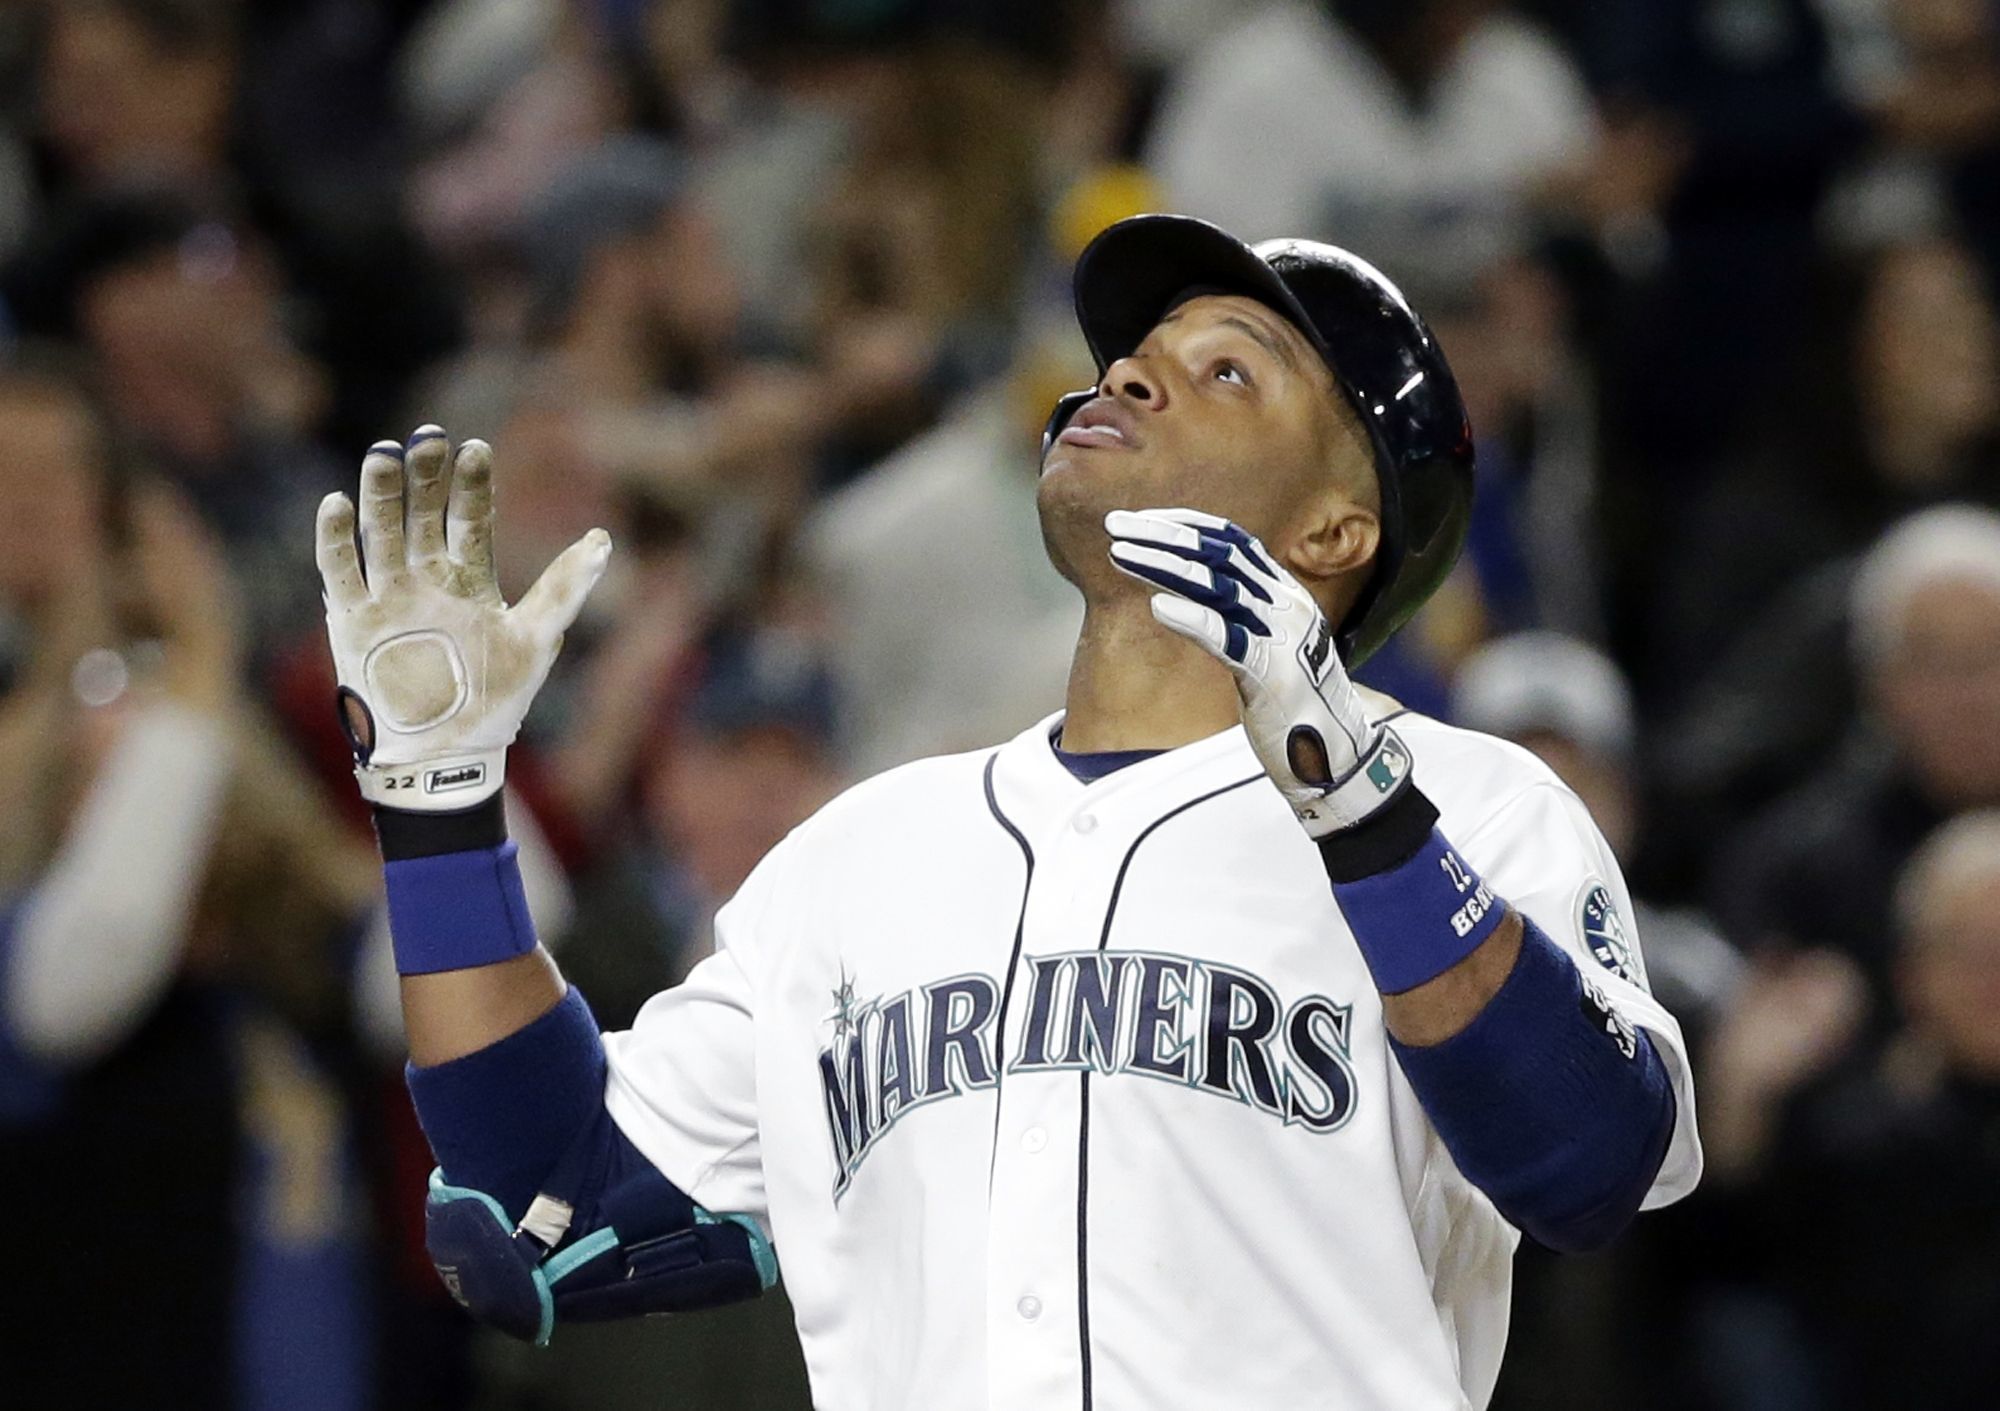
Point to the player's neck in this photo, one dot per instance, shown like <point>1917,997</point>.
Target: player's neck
<point>1133,685</point>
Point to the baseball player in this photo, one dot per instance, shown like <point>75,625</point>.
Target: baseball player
<point>1209,1044</point>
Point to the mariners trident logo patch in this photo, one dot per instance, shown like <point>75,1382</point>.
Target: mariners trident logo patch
<point>1604,932</point>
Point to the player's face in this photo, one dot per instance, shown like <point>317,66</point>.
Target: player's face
<point>1225,407</point>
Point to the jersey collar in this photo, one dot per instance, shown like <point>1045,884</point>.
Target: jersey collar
<point>1028,777</point>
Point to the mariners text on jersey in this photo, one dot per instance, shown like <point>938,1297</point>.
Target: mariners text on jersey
<point>1167,1017</point>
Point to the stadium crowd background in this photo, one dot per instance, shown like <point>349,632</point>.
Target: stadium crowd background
<point>776,291</point>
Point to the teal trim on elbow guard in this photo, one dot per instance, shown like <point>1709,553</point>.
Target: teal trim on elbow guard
<point>679,1257</point>
<point>491,1270</point>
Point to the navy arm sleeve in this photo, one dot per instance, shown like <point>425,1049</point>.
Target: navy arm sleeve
<point>502,1120</point>
<point>526,1115</point>
<point>1549,1101</point>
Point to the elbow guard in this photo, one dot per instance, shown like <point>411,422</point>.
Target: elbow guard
<point>649,1249</point>
<point>522,1126</point>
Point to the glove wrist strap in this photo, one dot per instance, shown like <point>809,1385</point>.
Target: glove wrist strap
<point>448,784</point>
<point>1378,778</point>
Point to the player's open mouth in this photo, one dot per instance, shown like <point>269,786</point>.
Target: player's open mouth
<point>1101,423</point>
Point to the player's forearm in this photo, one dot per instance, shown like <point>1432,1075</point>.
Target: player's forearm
<point>472,970</point>
<point>458,1012</point>
<point>1441,1008</point>
<point>522,1125</point>
<point>1549,1103</point>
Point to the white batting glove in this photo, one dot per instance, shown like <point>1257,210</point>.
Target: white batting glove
<point>1229,597</point>
<point>436,671</point>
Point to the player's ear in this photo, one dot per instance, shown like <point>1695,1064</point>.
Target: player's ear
<point>1340,539</point>
<point>1341,522</point>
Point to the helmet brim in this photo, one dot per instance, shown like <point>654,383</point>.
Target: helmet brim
<point>1134,272</point>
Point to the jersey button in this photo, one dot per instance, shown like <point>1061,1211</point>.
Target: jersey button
<point>1029,1307</point>
<point>1033,1140</point>
<point>1086,822</point>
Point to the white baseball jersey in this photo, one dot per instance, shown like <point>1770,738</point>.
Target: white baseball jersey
<point>1066,1095</point>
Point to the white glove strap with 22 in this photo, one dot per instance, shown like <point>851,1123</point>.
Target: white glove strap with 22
<point>1223,592</point>
<point>436,671</point>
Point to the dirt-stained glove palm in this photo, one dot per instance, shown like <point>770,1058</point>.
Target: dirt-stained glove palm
<point>1224,593</point>
<point>436,671</point>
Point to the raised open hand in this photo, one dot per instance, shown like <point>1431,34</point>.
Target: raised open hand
<point>436,671</point>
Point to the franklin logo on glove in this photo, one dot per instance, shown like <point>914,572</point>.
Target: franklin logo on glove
<point>465,776</point>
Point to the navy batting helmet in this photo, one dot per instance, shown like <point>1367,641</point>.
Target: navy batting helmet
<point>1383,357</point>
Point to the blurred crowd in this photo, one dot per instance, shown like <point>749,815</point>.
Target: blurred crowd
<point>776,291</point>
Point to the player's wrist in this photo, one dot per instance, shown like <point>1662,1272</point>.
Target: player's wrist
<point>456,898</point>
<point>1384,840</point>
<point>1416,909</point>
<point>404,834</point>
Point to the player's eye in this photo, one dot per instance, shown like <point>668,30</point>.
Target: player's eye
<point>1229,370</point>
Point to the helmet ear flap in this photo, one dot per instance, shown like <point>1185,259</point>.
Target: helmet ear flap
<point>1067,406</point>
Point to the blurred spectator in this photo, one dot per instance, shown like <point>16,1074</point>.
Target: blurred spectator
<point>643,323</point>
<point>180,314</point>
<point>1715,311</point>
<point>1943,107</point>
<point>508,94</point>
<point>1365,121</point>
<point>278,113</point>
<point>1909,374</point>
<point>173,914</point>
<point>1818,868</point>
<point>1752,602</point>
<point>1867,1196</point>
<point>140,91</point>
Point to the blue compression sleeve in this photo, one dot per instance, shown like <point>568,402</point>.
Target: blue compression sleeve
<point>525,1117</point>
<point>502,1119</point>
<point>455,894</point>
<point>457,910</point>
<point>1550,1101</point>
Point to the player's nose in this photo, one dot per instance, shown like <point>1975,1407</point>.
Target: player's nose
<point>1130,379</point>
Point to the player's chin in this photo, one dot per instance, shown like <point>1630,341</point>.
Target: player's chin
<point>1079,487</point>
<point>1110,474</point>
